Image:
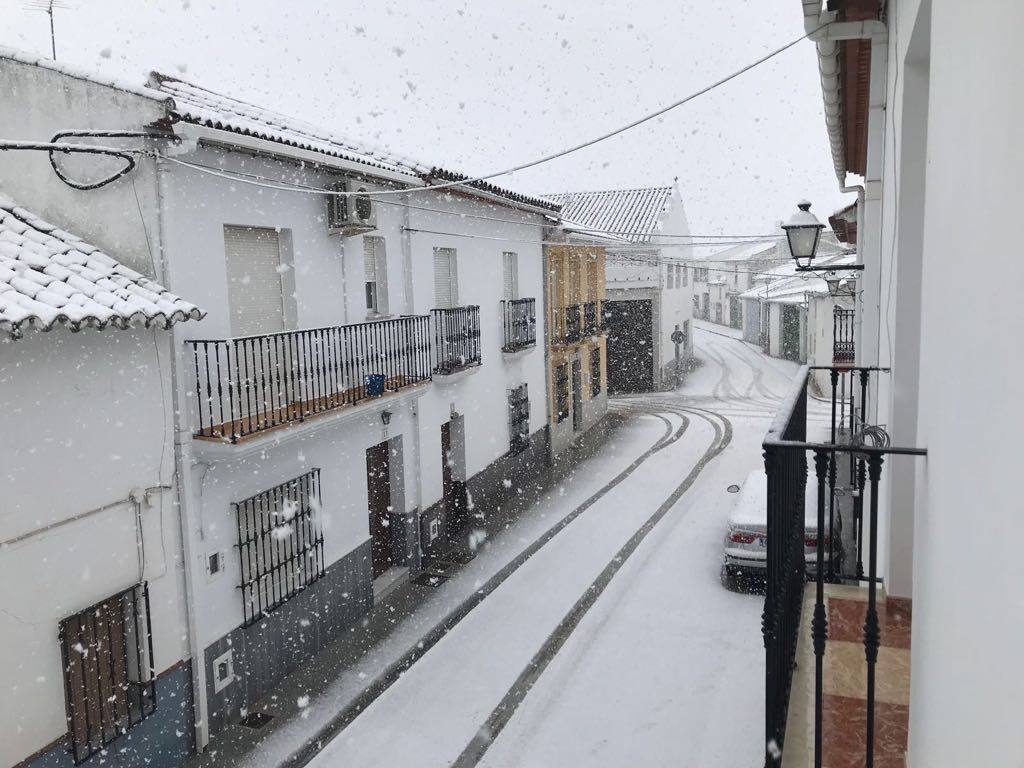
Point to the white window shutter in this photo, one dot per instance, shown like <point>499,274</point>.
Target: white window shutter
<point>444,278</point>
<point>510,275</point>
<point>255,298</point>
<point>375,266</point>
<point>454,269</point>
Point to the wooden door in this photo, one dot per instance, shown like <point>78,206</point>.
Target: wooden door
<point>378,488</point>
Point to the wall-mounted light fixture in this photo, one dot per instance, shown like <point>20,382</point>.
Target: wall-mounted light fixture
<point>385,417</point>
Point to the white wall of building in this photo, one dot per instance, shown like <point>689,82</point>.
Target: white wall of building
<point>939,183</point>
<point>84,426</point>
<point>91,413</point>
<point>966,687</point>
<point>481,395</point>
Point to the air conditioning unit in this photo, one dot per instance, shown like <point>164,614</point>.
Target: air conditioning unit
<point>350,214</point>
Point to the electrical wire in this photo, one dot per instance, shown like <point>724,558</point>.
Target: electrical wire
<point>267,182</point>
<point>470,181</point>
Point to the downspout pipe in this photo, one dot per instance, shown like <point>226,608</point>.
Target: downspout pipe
<point>187,497</point>
<point>821,27</point>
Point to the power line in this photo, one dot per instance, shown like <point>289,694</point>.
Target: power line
<point>266,182</point>
<point>590,142</point>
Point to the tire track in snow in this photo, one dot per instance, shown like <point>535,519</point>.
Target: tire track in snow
<point>506,708</point>
<point>394,671</point>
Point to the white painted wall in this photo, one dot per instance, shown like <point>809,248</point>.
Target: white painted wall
<point>481,396</point>
<point>83,425</point>
<point>328,277</point>
<point>966,685</point>
<point>947,183</point>
<point>672,306</point>
<point>92,413</point>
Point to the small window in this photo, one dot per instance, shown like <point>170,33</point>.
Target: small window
<point>669,275</point>
<point>108,670</point>
<point>510,275</point>
<point>562,392</point>
<point>684,273</point>
<point>595,371</point>
<point>519,419</point>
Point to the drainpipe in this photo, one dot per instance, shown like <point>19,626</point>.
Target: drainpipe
<point>406,241</point>
<point>184,462</point>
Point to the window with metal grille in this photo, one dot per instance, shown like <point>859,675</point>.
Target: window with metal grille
<point>595,371</point>
<point>562,392</point>
<point>108,670</point>
<point>280,544</point>
<point>519,419</point>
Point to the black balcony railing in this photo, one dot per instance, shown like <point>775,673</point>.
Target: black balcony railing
<point>842,338</point>
<point>519,320</point>
<point>573,326</point>
<point>456,338</point>
<point>860,453</point>
<point>250,384</point>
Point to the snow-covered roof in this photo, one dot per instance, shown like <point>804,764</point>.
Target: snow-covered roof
<point>195,104</point>
<point>631,213</point>
<point>50,277</point>
<point>759,249</point>
<point>784,285</point>
<point>92,76</point>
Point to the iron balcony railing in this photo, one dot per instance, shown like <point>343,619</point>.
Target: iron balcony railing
<point>519,320</point>
<point>249,384</point>
<point>852,456</point>
<point>842,338</point>
<point>456,338</point>
<point>573,328</point>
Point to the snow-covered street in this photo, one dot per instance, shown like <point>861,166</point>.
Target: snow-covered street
<point>662,666</point>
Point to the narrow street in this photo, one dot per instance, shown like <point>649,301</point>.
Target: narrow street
<point>657,662</point>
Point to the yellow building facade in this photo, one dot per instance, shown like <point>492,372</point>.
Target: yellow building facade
<point>577,355</point>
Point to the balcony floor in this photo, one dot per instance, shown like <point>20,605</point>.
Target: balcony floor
<point>270,419</point>
<point>845,673</point>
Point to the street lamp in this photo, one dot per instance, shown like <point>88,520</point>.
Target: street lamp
<point>833,280</point>
<point>803,230</point>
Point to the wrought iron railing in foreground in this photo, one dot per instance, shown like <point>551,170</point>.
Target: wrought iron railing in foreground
<point>250,384</point>
<point>785,454</point>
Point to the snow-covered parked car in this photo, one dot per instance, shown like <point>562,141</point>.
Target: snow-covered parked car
<point>746,550</point>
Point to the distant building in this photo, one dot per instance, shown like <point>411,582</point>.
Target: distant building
<point>576,341</point>
<point>648,294</point>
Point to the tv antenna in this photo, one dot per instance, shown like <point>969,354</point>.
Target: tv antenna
<point>47,7</point>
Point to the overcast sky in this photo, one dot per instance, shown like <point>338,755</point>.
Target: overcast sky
<point>483,86</point>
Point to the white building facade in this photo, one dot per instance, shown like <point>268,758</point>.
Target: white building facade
<point>366,381</point>
<point>93,605</point>
<point>932,132</point>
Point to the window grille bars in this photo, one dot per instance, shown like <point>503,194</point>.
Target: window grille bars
<point>280,544</point>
